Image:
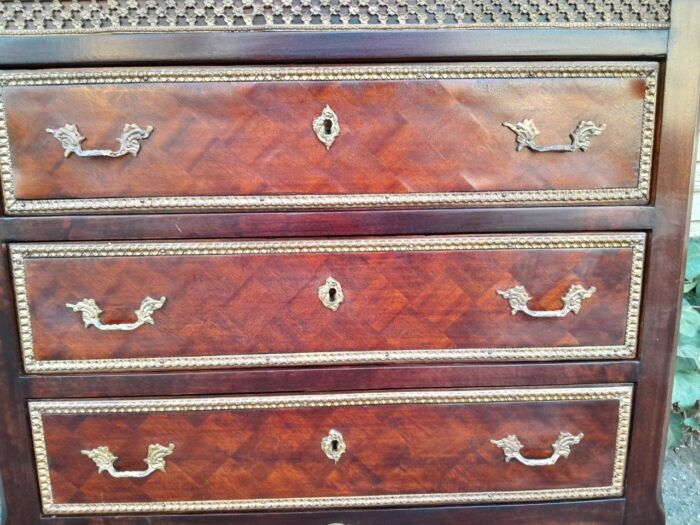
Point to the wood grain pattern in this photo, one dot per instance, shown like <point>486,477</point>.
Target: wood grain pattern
<point>20,503</point>
<point>280,47</point>
<point>666,266</point>
<point>328,379</point>
<point>397,137</point>
<point>21,488</point>
<point>313,224</point>
<point>265,453</point>
<point>592,512</point>
<point>676,51</point>
<point>268,304</point>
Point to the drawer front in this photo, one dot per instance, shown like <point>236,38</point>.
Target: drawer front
<point>405,448</point>
<point>327,137</point>
<point>155,305</point>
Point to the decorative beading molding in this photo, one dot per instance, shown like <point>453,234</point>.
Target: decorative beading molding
<point>42,17</point>
<point>19,253</point>
<point>39,409</point>
<point>638,194</point>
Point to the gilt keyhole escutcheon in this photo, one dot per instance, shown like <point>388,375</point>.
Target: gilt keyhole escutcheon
<point>327,127</point>
<point>333,445</point>
<point>331,294</point>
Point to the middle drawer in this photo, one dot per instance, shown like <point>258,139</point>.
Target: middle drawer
<point>154,305</point>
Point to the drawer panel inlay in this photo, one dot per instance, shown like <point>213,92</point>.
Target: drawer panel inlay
<point>394,136</point>
<point>281,303</point>
<point>263,452</point>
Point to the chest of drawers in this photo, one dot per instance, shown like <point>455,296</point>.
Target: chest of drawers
<point>349,263</point>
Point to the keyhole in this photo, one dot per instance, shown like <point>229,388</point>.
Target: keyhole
<point>331,297</point>
<point>334,445</point>
<point>327,126</point>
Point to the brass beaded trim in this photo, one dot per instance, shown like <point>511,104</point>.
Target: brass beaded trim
<point>638,194</point>
<point>20,252</point>
<point>70,17</point>
<point>620,393</point>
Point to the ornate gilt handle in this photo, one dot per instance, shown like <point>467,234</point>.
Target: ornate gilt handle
<point>91,314</point>
<point>511,446</point>
<point>155,460</point>
<point>526,132</point>
<point>70,138</point>
<point>518,298</point>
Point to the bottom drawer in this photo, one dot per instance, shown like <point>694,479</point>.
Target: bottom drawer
<point>330,450</point>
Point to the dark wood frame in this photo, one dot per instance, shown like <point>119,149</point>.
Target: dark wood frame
<point>665,219</point>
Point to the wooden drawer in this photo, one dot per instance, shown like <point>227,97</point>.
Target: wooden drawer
<point>271,303</point>
<point>391,449</point>
<point>243,138</point>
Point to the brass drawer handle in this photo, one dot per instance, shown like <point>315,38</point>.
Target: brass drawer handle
<point>526,132</point>
<point>511,446</point>
<point>518,298</point>
<point>70,138</point>
<point>155,460</point>
<point>91,314</point>
<point>330,294</point>
<point>327,127</point>
<point>333,445</point>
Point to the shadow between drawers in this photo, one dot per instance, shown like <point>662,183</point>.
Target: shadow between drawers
<point>326,223</point>
<point>328,379</point>
<point>595,512</point>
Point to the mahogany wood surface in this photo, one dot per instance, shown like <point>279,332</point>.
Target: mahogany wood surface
<point>665,220</point>
<point>21,489</point>
<point>315,224</point>
<point>336,378</point>
<point>596,512</point>
<point>256,138</point>
<point>665,265</point>
<point>277,47</point>
<point>261,304</point>
<point>18,472</point>
<point>276,453</point>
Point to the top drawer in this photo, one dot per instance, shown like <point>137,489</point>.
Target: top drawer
<point>326,137</point>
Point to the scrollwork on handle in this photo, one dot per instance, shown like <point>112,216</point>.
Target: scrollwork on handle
<point>518,298</point>
<point>155,460</point>
<point>526,132</point>
<point>91,314</point>
<point>70,138</point>
<point>511,446</point>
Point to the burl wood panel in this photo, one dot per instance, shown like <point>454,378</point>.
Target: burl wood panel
<point>262,304</point>
<point>276,453</point>
<point>256,138</point>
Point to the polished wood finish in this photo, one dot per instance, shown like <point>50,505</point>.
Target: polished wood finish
<point>275,453</point>
<point>324,379</point>
<point>596,512</point>
<point>664,220</point>
<point>394,300</point>
<point>18,475</point>
<point>397,137</point>
<point>313,224</point>
<point>275,47</point>
<point>666,265</point>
